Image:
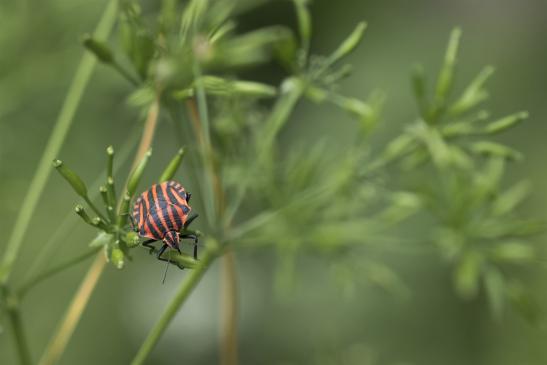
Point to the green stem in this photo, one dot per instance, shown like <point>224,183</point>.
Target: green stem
<point>95,209</point>
<point>125,74</point>
<point>54,270</point>
<point>182,294</point>
<point>60,130</point>
<point>206,148</point>
<point>294,89</point>
<point>14,317</point>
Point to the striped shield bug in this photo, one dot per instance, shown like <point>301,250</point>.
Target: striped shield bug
<point>160,213</point>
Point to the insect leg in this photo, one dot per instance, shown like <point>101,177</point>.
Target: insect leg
<point>149,245</point>
<point>161,251</point>
<point>188,196</point>
<point>195,238</point>
<point>163,248</point>
<point>190,220</point>
<point>132,220</point>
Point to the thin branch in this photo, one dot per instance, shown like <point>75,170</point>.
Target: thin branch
<point>228,310</point>
<point>55,270</point>
<point>58,343</point>
<point>169,313</point>
<point>13,314</point>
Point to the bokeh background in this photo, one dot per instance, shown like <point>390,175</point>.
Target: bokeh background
<point>314,322</point>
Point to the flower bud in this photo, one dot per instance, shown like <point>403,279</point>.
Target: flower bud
<point>136,175</point>
<point>173,166</point>
<point>98,48</point>
<point>74,180</point>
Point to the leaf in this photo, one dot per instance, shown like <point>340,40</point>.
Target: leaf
<point>396,149</point>
<point>445,80</point>
<point>142,97</point>
<point>507,201</point>
<point>513,252</point>
<point>192,15</point>
<point>487,148</point>
<point>361,110</point>
<point>403,205</point>
<point>172,167</point>
<point>135,39</point>
<point>467,274</point>
<point>255,47</point>
<point>102,239</point>
<point>214,85</point>
<point>304,22</point>
<point>505,123</point>
<point>460,158</point>
<point>466,127</point>
<point>473,94</point>
<point>348,45</point>
<point>436,145</point>
<point>446,75</point>
<point>523,301</point>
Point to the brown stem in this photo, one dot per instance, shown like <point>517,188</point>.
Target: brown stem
<point>228,310</point>
<point>148,132</point>
<point>194,118</point>
<point>58,344</point>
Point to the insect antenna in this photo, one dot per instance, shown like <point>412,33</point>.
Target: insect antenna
<point>166,267</point>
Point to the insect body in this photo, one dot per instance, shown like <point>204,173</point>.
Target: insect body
<point>161,213</point>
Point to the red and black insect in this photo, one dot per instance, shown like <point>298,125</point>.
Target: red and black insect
<point>160,213</point>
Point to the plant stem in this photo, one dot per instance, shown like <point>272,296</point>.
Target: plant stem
<point>183,292</point>
<point>201,123</point>
<point>95,209</point>
<point>293,90</point>
<point>148,132</point>
<point>55,270</point>
<point>125,74</point>
<point>57,345</point>
<point>59,341</point>
<point>60,130</point>
<point>228,333</point>
<point>14,317</point>
<point>228,310</point>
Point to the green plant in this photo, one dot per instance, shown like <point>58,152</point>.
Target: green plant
<point>257,194</point>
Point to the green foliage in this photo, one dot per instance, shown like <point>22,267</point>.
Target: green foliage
<point>460,183</point>
<point>300,198</point>
<point>445,167</point>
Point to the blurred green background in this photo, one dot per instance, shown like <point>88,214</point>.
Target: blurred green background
<point>315,322</point>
